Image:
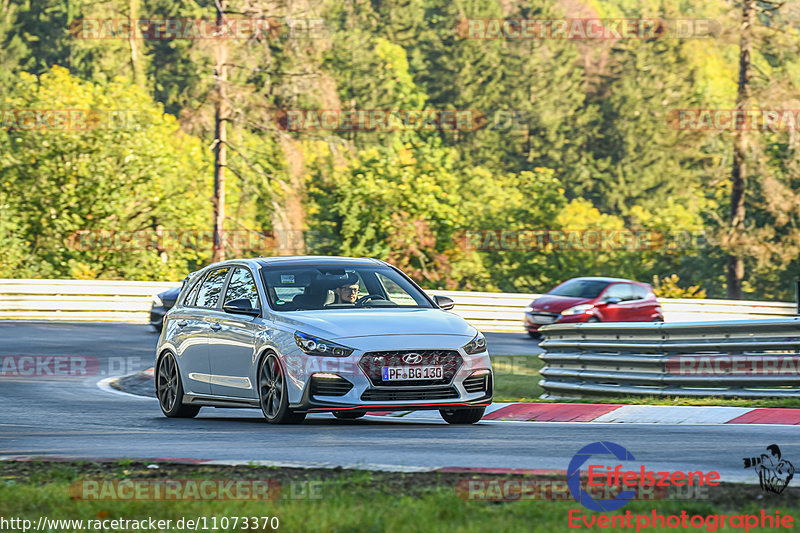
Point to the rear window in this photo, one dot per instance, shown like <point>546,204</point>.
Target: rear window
<point>580,288</point>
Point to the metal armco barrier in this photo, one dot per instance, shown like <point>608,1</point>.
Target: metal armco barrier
<point>747,359</point>
<point>129,301</point>
<point>93,300</point>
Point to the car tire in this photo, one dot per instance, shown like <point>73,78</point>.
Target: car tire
<point>273,394</point>
<point>468,415</point>
<point>593,319</point>
<point>534,335</point>
<point>348,415</point>
<point>169,389</point>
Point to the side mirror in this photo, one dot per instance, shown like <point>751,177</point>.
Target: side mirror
<point>612,300</point>
<point>242,306</point>
<point>444,302</point>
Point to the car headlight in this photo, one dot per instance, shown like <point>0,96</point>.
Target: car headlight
<point>312,345</point>
<point>529,309</point>
<point>157,302</point>
<point>476,345</point>
<point>577,309</point>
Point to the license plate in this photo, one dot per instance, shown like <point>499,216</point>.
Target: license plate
<point>402,373</point>
<point>543,319</point>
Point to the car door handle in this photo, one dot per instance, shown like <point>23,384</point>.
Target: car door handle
<point>182,323</point>
<point>216,327</point>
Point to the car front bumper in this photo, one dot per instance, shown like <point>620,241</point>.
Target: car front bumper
<point>350,384</point>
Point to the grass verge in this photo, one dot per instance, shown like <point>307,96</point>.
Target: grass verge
<point>339,500</point>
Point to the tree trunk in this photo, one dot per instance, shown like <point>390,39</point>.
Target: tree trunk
<point>135,63</point>
<point>220,140</point>
<point>735,274</point>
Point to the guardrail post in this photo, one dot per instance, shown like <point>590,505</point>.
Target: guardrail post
<point>797,295</point>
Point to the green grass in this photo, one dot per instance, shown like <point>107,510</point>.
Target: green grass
<point>516,379</point>
<point>347,501</point>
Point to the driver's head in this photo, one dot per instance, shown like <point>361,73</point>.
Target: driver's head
<point>348,293</point>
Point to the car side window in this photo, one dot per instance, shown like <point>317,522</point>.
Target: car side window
<point>622,291</point>
<point>639,293</point>
<point>192,296</point>
<point>211,288</point>
<point>394,292</point>
<point>242,285</point>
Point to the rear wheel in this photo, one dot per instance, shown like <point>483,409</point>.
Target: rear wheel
<point>593,319</point>
<point>169,390</point>
<point>468,415</point>
<point>348,415</point>
<point>273,394</point>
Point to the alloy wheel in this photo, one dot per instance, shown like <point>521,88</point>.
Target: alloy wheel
<point>167,385</point>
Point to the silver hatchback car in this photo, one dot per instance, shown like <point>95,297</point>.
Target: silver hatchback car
<point>297,335</point>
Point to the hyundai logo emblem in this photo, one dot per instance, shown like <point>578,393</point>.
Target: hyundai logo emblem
<point>412,359</point>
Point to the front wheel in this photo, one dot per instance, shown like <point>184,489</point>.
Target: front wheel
<point>169,390</point>
<point>468,415</point>
<point>273,394</point>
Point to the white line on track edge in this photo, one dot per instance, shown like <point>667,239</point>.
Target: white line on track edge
<point>105,386</point>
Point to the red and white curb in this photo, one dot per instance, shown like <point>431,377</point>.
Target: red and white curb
<point>625,414</point>
<point>598,412</point>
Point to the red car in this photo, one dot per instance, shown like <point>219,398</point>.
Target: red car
<point>594,300</point>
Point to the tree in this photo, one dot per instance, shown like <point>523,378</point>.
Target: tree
<point>739,172</point>
<point>74,196</point>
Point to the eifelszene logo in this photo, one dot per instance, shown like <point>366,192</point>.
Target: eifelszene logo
<point>574,476</point>
<point>616,477</point>
<point>774,472</point>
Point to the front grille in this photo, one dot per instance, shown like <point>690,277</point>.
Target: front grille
<point>543,318</point>
<point>394,395</point>
<point>330,386</point>
<point>477,383</point>
<point>372,363</point>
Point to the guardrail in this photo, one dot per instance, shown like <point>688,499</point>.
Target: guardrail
<point>748,359</point>
<point>92,300</point>
<point>129,301</point>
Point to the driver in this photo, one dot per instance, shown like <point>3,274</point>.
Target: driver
<point>347,293</point>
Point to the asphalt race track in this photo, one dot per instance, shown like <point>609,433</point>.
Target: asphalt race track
<point>64,416</point>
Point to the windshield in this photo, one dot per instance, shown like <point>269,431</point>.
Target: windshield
<point>321,287</point>
<point>580,288</point>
